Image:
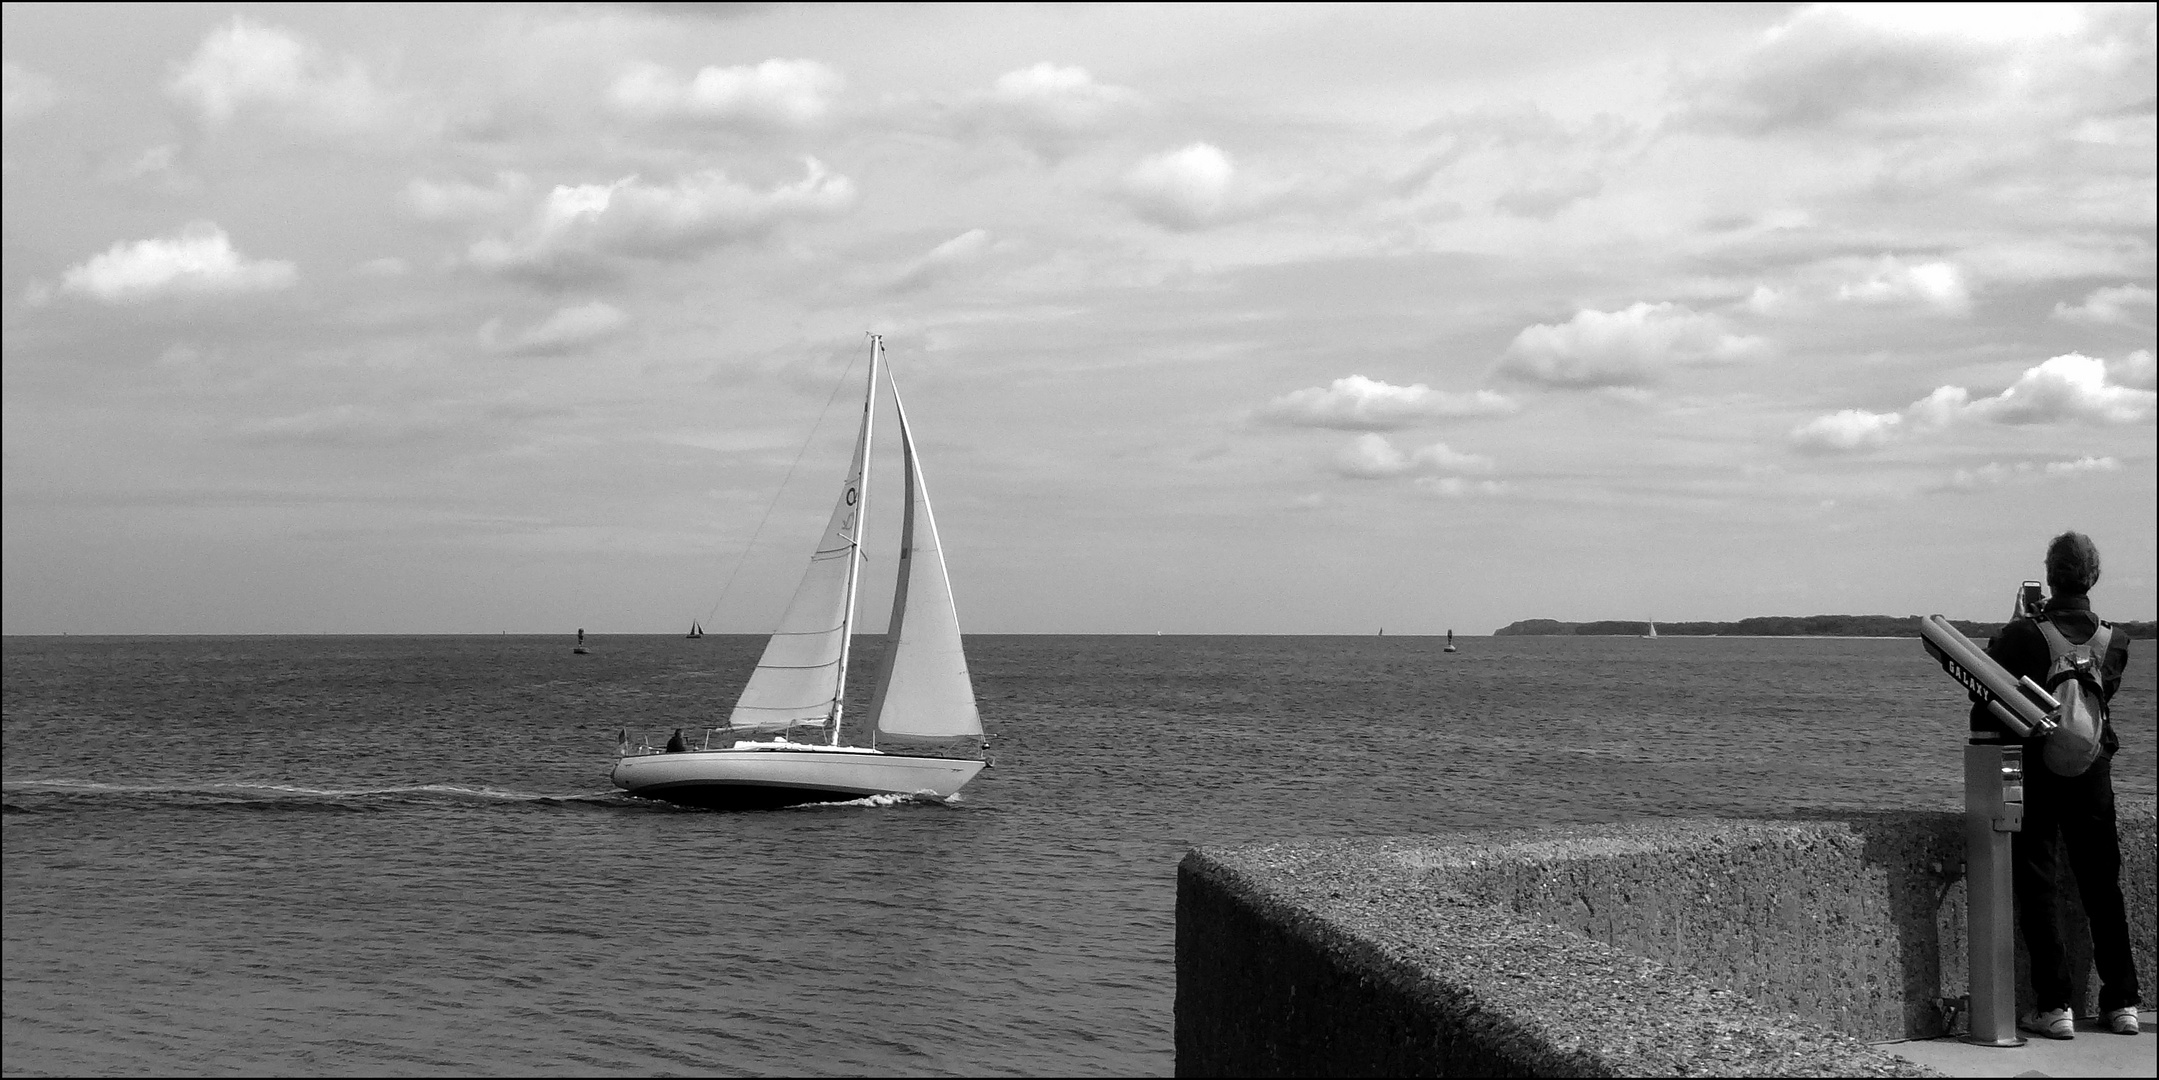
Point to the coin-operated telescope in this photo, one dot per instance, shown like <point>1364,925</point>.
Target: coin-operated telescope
<point>1993,812</point>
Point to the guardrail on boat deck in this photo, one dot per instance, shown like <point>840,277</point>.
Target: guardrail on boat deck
<point>630,742</point>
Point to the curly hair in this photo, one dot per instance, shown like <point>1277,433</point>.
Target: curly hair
<point>2072,564</point>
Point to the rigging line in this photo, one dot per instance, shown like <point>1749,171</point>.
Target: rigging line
<point>837,385</point>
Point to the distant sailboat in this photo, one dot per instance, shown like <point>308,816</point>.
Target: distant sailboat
<point>696,631</point>
<point>1450,643</point>
<point>580,649</point>
<point>1652,629</point>
<point>922,691</point>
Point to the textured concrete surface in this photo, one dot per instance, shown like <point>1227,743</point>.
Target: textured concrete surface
<point>1663,948</point>
<point>2094,1052</point>
<point>1857,921</point>
<point>1842,922</point>
<point>1352,958</point>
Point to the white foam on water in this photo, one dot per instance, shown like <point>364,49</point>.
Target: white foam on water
<point>273,790</point>
<point>885,800</point>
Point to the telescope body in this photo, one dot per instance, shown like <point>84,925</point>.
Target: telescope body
<point>1985,680</point>
<point>1993,813</point>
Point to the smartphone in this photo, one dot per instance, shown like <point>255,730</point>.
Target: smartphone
<point>2029,600</point>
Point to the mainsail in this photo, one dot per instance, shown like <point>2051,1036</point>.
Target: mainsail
<point>799,678</point>
<point>923,690</point>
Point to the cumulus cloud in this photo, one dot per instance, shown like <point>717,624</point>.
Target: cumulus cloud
<point>1767,301</point>
<point>1937,285</point>
<point>776,93</point>
<point>1994,472</point>
<point>2083,464</point>
<point>2134,370</point>
<point>1629,347</point>
<point>1196,187</point>
<point>563,331</point>
<point>2071,388</point>
<point>1062,100</point>
<point>23,92</point>
<point>197,260</point>
<point>1846,430</point>
<point>2065,388</point>
<point>577,224</point>
<point>2120,305</point>
<point>245,67</point>
<point>1371,457</point>
<point>1183,189</point>
<point>1356,403</point>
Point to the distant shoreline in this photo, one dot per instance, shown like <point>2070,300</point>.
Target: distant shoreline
<point>2137,630</point>
<point>1777,626</point>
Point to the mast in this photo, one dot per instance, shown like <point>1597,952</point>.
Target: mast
<point>854,558</point>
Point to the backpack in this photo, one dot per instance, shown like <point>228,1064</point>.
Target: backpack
<point>2073,677</point>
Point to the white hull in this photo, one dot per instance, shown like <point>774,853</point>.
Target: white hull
<point>768,775</point>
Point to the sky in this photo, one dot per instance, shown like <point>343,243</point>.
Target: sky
<point>1210,318</point>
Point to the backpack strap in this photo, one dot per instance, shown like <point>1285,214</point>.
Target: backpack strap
<point>2058,644</point>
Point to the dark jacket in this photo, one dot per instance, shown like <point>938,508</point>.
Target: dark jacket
<point>2022,650</point>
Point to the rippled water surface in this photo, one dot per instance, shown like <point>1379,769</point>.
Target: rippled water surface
<point>401,855</point>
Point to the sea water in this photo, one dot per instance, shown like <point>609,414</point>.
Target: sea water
<point>402,855</point>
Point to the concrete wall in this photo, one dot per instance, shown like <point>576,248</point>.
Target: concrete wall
<point>1734,947</point>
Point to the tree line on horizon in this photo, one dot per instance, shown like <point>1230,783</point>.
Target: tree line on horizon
<point>1777,626</point>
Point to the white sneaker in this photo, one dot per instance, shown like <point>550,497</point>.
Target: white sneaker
<point>2122,1021</point>
<point>2052,1023</point>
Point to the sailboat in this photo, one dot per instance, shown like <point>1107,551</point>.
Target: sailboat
<point>580,649</point>
<point>795,697</point>
<point>1652,629</point>
<point>1450,643</point>
<point>696,631</point>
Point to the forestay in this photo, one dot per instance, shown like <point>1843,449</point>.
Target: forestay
<point>799,677</point>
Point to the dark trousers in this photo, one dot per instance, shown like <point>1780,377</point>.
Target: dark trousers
<point>2080,810</point>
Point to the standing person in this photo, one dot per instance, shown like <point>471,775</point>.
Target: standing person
<point>2080,809</point>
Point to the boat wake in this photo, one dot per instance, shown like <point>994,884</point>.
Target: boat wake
<point>919,798</point>
<point>26,796</point>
